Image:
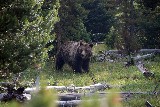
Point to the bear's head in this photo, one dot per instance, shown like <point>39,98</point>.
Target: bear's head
<point>85,50</point>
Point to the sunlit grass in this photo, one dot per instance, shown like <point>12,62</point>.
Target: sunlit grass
<point>126,79</point>
<point>99,47</point>
<point>123,78</point>
<point>103,72</point>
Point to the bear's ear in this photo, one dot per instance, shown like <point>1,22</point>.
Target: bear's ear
<point>91,45</point>
<point>81,42</point>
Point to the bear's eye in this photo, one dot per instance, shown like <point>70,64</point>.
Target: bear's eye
<point>88,50</point>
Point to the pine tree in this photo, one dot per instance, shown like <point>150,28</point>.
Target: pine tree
<point>99,19</point>
<point>25,28</point>
<point>148,23</point>
<point>125,27</point>
<point>71,25</point>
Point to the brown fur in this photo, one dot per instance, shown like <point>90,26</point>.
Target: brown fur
<point>75,54</point>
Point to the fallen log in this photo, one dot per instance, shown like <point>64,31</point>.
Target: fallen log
<point>109,56</point>
<point>74,99</point>
<point>78,96</point>
<point>1,95</point>
<point>148,104</point>
<point>149,50</point>
<point>119,52</point>
<point>144,70</point>
<point>13,94</point>
<point>91,88</point>
<point>73,103</point>
<point>141,50</point>
<point>27,96</point>
<point>138,57</point>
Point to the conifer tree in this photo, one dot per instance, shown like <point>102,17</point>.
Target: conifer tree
<point>25,28</point>
<point>71,25</point>
<point>99,19</point>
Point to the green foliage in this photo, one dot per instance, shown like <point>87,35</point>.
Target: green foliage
<point>124,33</point>
<point>136,25</point>
<point>99,47</point>
<point>149,25</point>
<point>26,26</point>
<point>90,102</point>
<point>10,104</point>
<point>125,79</point>
<point>151,4</point>
<point>99,19</point>
<point>87,20</point>
<point>71,25</point>
<point>112,99</point>
<point>136,102</point>
<point>25,29</point>
<point>111,38</point>
<point>44,98</point>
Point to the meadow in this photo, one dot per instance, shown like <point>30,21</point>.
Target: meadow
<point>124,79</point>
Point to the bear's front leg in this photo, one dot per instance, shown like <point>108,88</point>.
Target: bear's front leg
<point>85,65</point>
<point>59,63</point>
<point>77,68</point>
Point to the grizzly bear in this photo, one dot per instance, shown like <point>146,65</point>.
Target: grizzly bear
<point>76,54</point>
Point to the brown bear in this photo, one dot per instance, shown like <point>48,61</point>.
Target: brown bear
<point>75,54</point>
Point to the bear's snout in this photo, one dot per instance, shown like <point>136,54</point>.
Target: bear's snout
<point>83,54</point>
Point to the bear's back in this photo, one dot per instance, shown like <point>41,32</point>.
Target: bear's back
<point>69,50</point>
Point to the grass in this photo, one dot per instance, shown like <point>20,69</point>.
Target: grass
<point>99,47</point>
<point>127,79</point>
<point>111,73</point>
